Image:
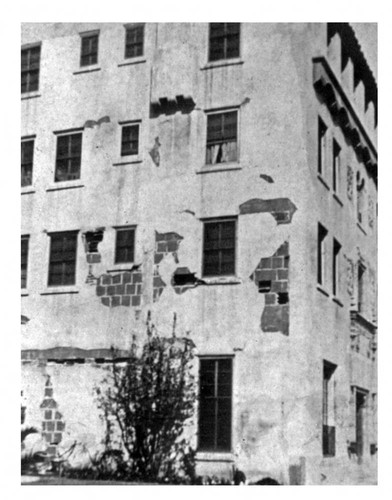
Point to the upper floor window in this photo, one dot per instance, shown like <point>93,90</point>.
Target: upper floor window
<point>130,140</point>
<point>224,41</point>
<point>321,147</point>
<point>321,235</point>
<point>134,40</point>
<point>27,156</point>
<point>125,245</point>
<point>219,248</point>
<point>335,267</point>
<point>68,157</point>
<point>62,260</point>
<point>89,49</point>
<point>360,198</point>
<point>30,68</point>
<point>215,378</point>
<point>24,260</point>
<point>222,133</point>
<point>336,154</point>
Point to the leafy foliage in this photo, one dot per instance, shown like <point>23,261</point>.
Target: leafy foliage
<point>147,402</point>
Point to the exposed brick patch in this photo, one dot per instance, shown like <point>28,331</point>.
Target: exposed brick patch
<point>165,244</point>
<point>53,424</point>
<point>122,289</point>
<point>274,269</point>
<point>282,209</point>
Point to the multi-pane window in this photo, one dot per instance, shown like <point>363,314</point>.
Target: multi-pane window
<point>125,245</point>
<point>335,267</point>
<point>336,153</point>
<point>224,41</point>
<point>219,248</point>
<point>222,132</point>
<point>215,404</point>
<point>27,157</point>
<point>361,286</point>
<point>328,409</point>
<point>62,260</point>
<point>89,49</point>
<point>321,235</point>
<point>321,147</point>
<point>30,68</point>
<point>24,260</point>
<point>130,140</point>
<point>134,41</point>
<point>68,157</point>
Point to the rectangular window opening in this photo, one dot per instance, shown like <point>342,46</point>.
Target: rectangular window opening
<point>222,133</point>
<point>134,41</point>
<point>89,50</point>
<point>27,158</point>
<point>328,409</point>
<point>336,167</point>
<point>68,157</point>
<point>335,267</point>
<point>125,245</point>
<point>321,146</point>
<point>215,404</point>
<point>30,59</point>
<point>62,260</point>
<point>322,233</point>
<point>130,140</point>
<point>219,248</point>
<point>24,260</point>
<point>224,41</point>
<point>361,286</point>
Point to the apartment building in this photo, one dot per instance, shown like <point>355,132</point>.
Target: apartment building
<point>227,173</point>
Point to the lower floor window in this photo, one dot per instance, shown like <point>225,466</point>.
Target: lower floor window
<point>215,404</point>
<point>328,409</point>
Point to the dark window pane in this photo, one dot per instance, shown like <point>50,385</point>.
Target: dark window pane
<point>125,243</point>
<point>224,41</point>
<point>62,263</point>
<point>27,156</point>
<point>24,260</point>
<point>30,63</point>
<point>68,157</point>
<point>219,248</point>
<point>130,140</point>
<point>222,137</point>
<point>134,41</point>
<point>89,50</point>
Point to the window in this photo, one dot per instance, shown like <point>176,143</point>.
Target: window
<point>130,140</point>
<point>222,137</point>
<point>322,146</point>
<point>224,41</point>
<point>361,286</point>
<point>215,404</point>
<point>24,260</point>
<point>89,49</point>
<point>68,157</point>
<point>219,248</point>
<point>30,68</point>
<point>125,245</point>
<point>335,267</point>
<point>328,409</point>
<point>360,198</point>
<point>336,167</point>
<point>62,260</point>
<point>134,41</point>
<point>27,156</point>
<point>322,233</point>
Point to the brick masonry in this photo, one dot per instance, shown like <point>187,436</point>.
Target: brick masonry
<point>275,269</point>
<point>123,289</point>
<point>53,424</point>
<point>165,244</point>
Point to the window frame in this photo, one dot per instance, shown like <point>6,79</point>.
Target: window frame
<point>83,37</point>
<point>336,166</point>
<point>220,220</point>
<point>128,28</point>
<point>118,230</point>
<point>125,125</point>
<point>322,147</point>
<point>24,140</point>
<point>336,248</point>
<point>24,263</point>
<point>59,136</point>
<point>53,261</point>
<point>225,36</point>
<point>217,400</point>
<point>322,233</point>
<point>31,68</point>
<point>210,142</point>
<point>328,409</point>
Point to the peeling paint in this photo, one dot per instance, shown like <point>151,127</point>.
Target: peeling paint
<point>92,123</point>
<point>154,152</point>
<point>267,178</point>
<point>282,209</point>
<point>274,270</point>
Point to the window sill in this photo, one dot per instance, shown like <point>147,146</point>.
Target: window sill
<point>222,280</point>
<point>128,160</point>
<point>24,293</point>
<point>91,69</point>
<point>214,456</point>
<point>336,197</point>
<point>222,63</point>
<point>27,190</point>
<point>337,301</point>
<point>131,62</point>
<point>321,289</point>
<point>129,266</point>
<point>30,95</point>
<point>324,182</point>
<point>219,167</point>
<point>361,228</point>
<point>65,185</point>
<point>61,290</point>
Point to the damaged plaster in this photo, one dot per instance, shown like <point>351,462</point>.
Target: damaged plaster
<point>282,209</point>
<point>122,289</point>
<point>271,278</point>
<point>93,123</point>
<point>52,420</point>
<point>154,152</point>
